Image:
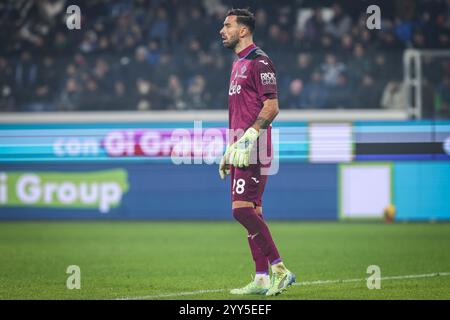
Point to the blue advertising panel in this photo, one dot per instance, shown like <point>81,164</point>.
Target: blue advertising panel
<point>138,142</point>
<point>129,171</point>
<point>157,191</point>
<point>422,190</point>
<point>402,140</point>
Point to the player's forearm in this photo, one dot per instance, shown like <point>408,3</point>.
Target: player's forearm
<point>267,114</point>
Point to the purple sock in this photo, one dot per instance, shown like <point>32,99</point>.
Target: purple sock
<point>261,263</point>
<point>258,232</point>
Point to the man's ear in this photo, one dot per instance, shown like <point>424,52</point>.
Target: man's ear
<point>243,32</point>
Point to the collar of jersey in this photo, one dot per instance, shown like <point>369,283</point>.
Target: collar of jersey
<point>250,49</point>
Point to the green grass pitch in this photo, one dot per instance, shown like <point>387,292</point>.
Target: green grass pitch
<point>177,260</point>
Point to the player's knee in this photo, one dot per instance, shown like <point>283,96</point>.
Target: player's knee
<point>242,214</point>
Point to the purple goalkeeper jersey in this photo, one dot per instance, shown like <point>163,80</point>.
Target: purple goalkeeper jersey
<point>253,80</point>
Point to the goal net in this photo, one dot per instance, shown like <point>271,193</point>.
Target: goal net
<point>427,83</point>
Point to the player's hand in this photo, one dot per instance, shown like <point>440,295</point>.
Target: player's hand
<point>240,151</point>
<point>224,166</point>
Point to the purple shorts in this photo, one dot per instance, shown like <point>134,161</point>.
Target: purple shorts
<point>247,184</point>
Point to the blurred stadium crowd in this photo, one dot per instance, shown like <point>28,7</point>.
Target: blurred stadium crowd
<point>158,55</point>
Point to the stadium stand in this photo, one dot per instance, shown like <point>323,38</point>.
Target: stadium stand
<point>167,55</point>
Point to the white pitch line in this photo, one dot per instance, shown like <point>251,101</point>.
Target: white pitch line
<point>167,295</point>
<point>412,276</point>
<point>303,283</point>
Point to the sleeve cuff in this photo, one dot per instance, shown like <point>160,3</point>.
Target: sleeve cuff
<point>268,96</point>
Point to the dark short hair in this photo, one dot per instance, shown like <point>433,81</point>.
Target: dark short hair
<point>244,16</point>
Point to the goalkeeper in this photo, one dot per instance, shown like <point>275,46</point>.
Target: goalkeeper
<point>253,104</point>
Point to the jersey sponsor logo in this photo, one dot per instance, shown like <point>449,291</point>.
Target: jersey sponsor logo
<point>268,78</point>
<point>235,88</point>
<point>241,75</point>
<point>263,62</point>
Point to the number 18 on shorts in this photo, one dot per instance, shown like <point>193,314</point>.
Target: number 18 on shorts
<point>247,184</point>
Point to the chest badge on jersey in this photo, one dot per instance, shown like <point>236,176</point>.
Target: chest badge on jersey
<point>235,88</point>
<point>241,74</point>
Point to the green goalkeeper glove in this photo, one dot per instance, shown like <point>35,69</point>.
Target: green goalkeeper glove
<point>224,167</point>
<point>241,150</point>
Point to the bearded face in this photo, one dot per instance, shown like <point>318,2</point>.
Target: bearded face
<point>230,32</point>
